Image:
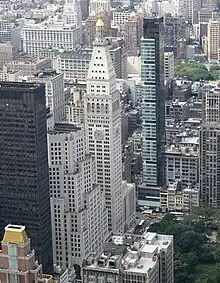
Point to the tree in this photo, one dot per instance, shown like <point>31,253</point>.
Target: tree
<point>207,254</point>
<point>194,71</point>
<point>190,241</point>
<point>217,253</point>
<point>191,260</point>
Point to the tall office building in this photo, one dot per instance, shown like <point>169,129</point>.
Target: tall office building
<point>79,215</point>
<point>103,126</point>
<point>24,176</point>
<point>153,126</point>
<point>209,176</point>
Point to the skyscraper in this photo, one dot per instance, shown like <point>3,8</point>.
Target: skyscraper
<point>209,176</point>
<point>103,127</point>
<point>153,125</point>
<point>24,177</point>
<point>79,215</point>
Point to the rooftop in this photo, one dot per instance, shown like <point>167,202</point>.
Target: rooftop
<point>15,234</point>
<point>132,253</point>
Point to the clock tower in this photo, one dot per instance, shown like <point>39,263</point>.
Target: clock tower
<point>103,127</point>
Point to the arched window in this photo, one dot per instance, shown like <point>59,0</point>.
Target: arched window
<point>93,107</point>
<point>102,108</point>
<point>106,108</point>
<point>88,107</point>
<point>98,109</point>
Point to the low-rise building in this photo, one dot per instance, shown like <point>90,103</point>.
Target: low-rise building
<point>7,76</point>
<point>176,198</point>
<point>132,258</point>
<point>28,66</point>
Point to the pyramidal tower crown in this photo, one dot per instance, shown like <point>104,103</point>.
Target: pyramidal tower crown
<point>101,68</point>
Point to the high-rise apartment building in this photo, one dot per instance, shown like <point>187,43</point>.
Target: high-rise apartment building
<point>17,259</point>
<point>133,33</point>
<point>24,176</point>
<point>103,126</point>
<point>209,176</point>
<point>79,215</point>
<point>153,108</point>
<point>213,40</point>
<point>168,66</point>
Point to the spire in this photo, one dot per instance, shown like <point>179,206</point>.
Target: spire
<point>100,24</point>
<point>100,28</point>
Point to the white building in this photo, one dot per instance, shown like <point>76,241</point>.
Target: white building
<point>146,258</point>
<point>75,108</point>
<point>54,93</point>
<point>119,18</point>
<point>50,34</point>
<point>176,198</point>
<point>103,127</point>
<point>72,13</point>
<point>168,66</point>
<point>7,76</point>
<point>97,6</point>
<point>79,216</point>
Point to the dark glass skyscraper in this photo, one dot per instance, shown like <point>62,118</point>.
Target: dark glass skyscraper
<point>153,108</point>
<point>24,178</point>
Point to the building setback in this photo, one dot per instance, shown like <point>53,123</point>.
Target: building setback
<point>24,178</point>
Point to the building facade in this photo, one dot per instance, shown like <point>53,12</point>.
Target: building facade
<point>209,176</point>
<point>6,53</point>
<point>182,164</point>
<point>24,176</point>
<point>38,36</point>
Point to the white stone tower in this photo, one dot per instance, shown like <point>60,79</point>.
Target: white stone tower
<point>103,127</point>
